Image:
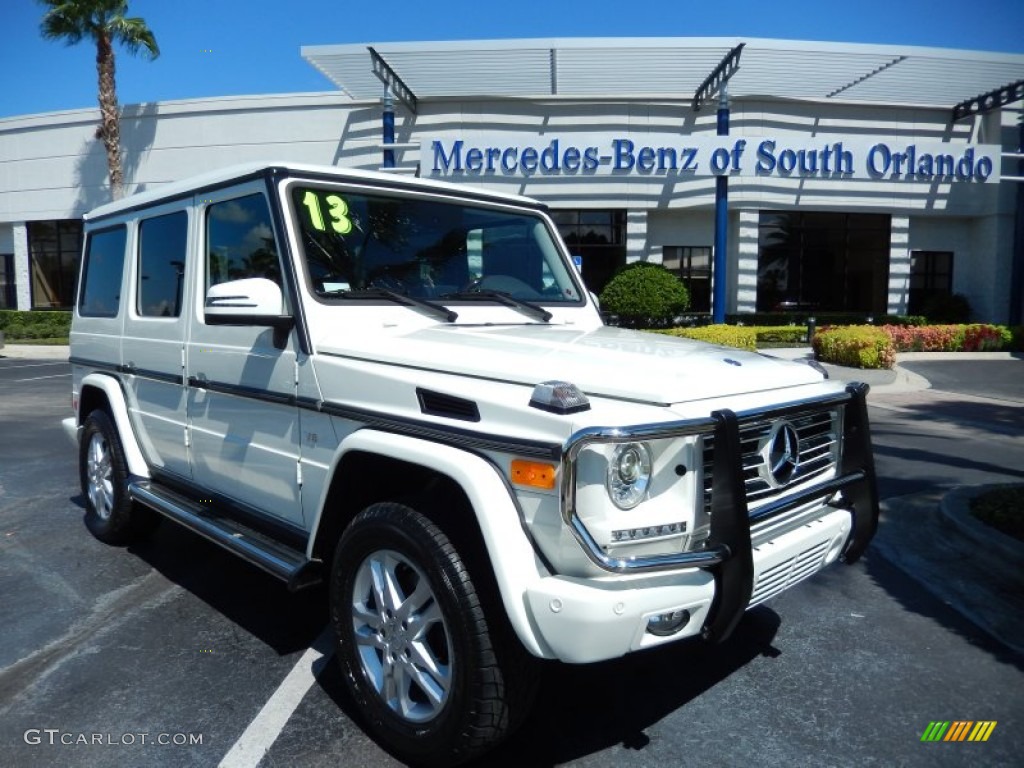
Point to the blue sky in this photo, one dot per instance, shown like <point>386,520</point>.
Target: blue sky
<point>229,47</point>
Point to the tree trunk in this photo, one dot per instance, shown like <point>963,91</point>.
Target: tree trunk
<point>110,128</point>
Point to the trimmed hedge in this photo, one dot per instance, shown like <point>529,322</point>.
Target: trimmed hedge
<point>32,326</point>
<point>855,346</point>
<point>977,337</point>
<point>742,336</point>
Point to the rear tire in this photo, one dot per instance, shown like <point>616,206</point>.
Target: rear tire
<point>437,682</point>
<point>110,514</point>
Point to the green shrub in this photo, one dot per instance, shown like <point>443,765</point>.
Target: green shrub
<point>856,346</point>
<point>783,334</point>
<point>643,294</point>
<point>742,337</point>
<point>29,326</point>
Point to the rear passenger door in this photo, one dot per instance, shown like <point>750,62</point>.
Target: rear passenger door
<point>244,423</point>
<point>154,337</point>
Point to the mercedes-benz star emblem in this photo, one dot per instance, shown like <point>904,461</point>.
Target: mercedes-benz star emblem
<point>781,454</point>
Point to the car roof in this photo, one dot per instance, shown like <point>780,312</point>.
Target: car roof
<point>225,176</point>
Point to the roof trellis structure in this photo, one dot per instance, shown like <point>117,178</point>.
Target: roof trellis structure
<point>670,68</point>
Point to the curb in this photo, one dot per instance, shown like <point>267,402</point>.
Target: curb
<point>966,573</point>
<point>955,508</point>
<point>34,352</point>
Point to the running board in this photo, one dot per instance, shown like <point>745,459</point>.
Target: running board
<point>286,563</point>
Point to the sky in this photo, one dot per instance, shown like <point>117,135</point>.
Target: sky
<point>232,47</point>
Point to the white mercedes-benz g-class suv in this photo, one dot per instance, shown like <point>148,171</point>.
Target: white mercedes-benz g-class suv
<point>403,389</point>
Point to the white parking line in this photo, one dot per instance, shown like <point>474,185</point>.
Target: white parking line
<point>32,365</point>
<point>38,378</point>
<point>262,732</point>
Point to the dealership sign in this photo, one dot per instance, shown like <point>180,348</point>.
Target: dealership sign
<point>669,156</point>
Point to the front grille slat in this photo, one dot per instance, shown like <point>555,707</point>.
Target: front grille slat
<point>784,575</point>
<point>818,439</point>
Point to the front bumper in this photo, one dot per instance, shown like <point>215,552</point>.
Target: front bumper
<point>586,620</point>
<point>729,565</point>
<point>71,429</point>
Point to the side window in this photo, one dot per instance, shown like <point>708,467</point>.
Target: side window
<point>240,241</point>
<point>163,243</point>
<point>101,273</point>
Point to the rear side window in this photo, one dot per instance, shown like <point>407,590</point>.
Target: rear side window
<point>240,241</point>
<point>163,241</point>
<point>101,273</point>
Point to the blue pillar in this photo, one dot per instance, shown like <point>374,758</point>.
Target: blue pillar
<point>389,127</point>
<point>721,220</point>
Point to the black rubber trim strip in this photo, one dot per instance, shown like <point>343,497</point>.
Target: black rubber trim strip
<point>146,373</point>
<point>443,433</point>
<point>857,455</point>
<point>730,527</point>
<point>253,393</point>
<point>97,364</point>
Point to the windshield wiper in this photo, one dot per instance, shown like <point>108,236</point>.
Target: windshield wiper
<point>527,307</point>
<point>438,310</point>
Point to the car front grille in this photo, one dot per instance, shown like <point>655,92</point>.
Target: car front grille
<point>818,433</point>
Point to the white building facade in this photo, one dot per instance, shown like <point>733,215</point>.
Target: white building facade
<point>851,187</point>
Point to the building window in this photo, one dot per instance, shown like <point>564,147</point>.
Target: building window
<point>692,263</point>
<point>54,248</point>
<point>823,262</point>
<point>931,276</point>
<point>598,238</point>
<point>8,295</point>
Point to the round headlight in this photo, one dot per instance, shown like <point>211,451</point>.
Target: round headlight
<point>629,473</point>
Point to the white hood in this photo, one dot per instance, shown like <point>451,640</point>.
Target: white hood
<point>610,362</point>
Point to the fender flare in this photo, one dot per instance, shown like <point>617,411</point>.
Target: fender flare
<point>513,560</point>
<point>111,388</point>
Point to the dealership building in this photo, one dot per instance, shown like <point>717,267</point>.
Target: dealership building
<point>854,178</point>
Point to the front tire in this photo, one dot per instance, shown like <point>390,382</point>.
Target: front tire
<point>435,681</point>
<point>110,514</point>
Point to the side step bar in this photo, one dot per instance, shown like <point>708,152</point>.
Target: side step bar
<point>286,563</point>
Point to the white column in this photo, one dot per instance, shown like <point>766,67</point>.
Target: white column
<point>22,273</point>
<point>746,261</point>
<point>636,238</point>
<point>899,266</point>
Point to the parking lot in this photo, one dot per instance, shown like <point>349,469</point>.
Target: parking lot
<point>173,653</point>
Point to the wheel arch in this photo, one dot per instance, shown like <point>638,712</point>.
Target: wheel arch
<point>461,492</point>
<point>100,391</point>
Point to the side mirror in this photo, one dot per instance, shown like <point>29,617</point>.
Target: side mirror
<point>252,301</point>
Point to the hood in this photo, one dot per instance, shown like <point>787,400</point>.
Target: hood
<point>610,362</point>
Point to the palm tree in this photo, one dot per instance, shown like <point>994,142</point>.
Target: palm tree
<point>105,22</point>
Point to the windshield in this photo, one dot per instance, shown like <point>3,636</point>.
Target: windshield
<point>425,248</point>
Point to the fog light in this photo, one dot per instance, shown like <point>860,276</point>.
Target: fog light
<point>666,624</point>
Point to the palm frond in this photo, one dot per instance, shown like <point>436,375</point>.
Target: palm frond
<point>134,35</point>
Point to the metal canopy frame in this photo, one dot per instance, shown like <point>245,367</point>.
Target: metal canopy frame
<point>719,76</point>
<point>391,79</point>
<point>986,102</point>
